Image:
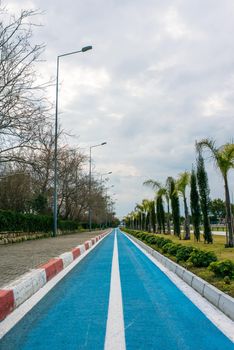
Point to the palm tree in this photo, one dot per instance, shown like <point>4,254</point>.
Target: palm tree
<point>181,184</point>
<point>204,196</point>
<point>162,192</point>
<point>175,205</point>
<point>146,211</point>
<point>224,160</point>
<point>195,205</point>
<point>153,215</point>
<point>160,210</point>
<point>139,208</point>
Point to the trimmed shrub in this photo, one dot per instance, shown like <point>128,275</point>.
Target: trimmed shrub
<point>151,239</point>
<point>160,242</point>
<point>166,247</point>
<point>183,253</point>
<point>222,268</point>
<point>173,249</point>
<point>12,221</point>
<point>201,258</point>
<point>143,235</point>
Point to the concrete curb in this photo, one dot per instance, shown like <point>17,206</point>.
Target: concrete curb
<point>17,292</point>
<point>222,301</point>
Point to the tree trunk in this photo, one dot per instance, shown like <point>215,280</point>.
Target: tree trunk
<point>186,220</point>
<point>228,213</point>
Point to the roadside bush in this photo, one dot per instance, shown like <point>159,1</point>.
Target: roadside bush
<point>222,268</point>
<point>167,246</point>
<point>143,236</point>
<point>201,258</point>
<point>162,241</point>
<point>151,239</point>
<point>12,221</point>
<point>183,253</point>
<point>174,249</point>
<point>171,248</point>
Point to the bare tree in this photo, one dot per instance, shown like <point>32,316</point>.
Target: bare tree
<point>22,102</point>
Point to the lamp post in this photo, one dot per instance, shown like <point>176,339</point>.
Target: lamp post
<point>55,204</point>
<point>90,181</point>
<point>108,188</point>
<point>110,172</point>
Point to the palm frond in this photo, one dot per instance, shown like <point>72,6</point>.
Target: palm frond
<point>207,143</point>
<point>152,183</point>
<point>182,182</point>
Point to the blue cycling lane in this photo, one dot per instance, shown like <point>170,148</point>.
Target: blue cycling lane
<point>115,299</point>
<point>74,314</point>
<point>157,315</point>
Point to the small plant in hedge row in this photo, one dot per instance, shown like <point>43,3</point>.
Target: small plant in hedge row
<point>166,247</point>
<point>162,241</point>
<point>174,249</point>
<point>151,239</point>
<point>201,258</point>
<point>171,248</point>
<point>183,253</point>
<point>222,268</point>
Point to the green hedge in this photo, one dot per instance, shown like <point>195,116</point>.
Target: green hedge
<point>12,221</point>
<point>197,257</point>
<point>201,258</point>
<point>222,268</point>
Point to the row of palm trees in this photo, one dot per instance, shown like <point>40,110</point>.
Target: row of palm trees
<point>150,214</point>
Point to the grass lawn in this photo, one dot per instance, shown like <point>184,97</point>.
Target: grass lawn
<point>218,248</point>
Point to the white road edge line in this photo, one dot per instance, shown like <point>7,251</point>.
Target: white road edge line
<point>12,319</point>
<point>217,317</point>
<point>115,334</point>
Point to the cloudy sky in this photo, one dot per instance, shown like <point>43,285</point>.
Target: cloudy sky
<point>159,77</point>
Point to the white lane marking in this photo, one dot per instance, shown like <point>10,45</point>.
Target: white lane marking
<point>217,317</point>
<point>115,335</point>
<point>11,320</point>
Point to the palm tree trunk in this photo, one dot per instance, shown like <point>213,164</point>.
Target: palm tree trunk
<point>186,220</point>
<point>228,213</point>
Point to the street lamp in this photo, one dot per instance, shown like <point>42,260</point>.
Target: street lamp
<point>90,177</point>
<point>55,204</point>
<point>107,188</point>
<point>110,172</point>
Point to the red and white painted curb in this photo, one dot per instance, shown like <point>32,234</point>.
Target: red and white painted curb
<point>17,292</point>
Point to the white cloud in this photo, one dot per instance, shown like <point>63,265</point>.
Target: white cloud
<point>213,105</point>
<point>174,24</point>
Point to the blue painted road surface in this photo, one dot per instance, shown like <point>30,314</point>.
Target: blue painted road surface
<point>79,313</point>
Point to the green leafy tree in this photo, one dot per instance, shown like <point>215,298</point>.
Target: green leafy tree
<point>175,205</point>
<point>224,161</point>
<point>195,205</point>
<point>181,184</point>
<point>218,209</point>
<point>40,204</point>
<point>204,192</point>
